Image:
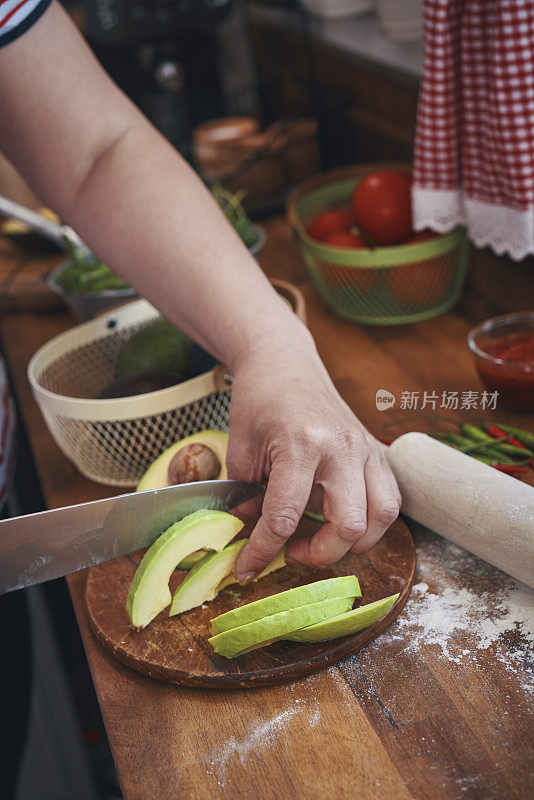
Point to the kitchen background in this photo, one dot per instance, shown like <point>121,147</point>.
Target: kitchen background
<point>350,68</point>
<point>315,85</point>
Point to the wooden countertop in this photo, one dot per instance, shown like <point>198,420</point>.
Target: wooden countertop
<point>440,706</point>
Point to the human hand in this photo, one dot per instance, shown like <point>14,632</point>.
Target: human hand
<point>289,425</point>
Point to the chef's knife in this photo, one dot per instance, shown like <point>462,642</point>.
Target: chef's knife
<point>38,547</point>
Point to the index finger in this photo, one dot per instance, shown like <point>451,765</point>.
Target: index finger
<point>288,491</point>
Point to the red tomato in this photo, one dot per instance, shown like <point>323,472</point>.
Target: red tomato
<point>421,284</point>
<point>344,239</point>
<point>330,222</point>
<point>420,236</point>
<point>382,206</point>
<point>365,280</point>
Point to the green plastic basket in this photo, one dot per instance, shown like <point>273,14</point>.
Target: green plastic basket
<point>387,285</point>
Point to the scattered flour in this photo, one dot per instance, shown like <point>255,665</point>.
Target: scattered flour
<point>463,598</point>
<point>420,588</point>
<point>262,735</point>
<point>460,605</point>
<point>436,618</point>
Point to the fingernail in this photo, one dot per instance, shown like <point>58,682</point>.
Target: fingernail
<point>244,580</point>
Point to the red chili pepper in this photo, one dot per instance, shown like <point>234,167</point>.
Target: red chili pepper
<point>498,433</point>
<point>510,469</point>
<point>385,441</point>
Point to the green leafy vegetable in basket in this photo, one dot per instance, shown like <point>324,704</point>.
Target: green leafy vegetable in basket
<point>232,206</point>
<point>85,274</point>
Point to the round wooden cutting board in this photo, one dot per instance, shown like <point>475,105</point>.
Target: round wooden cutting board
<point>176,649</point>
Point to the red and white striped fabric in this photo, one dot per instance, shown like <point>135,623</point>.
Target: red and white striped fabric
<point>474,154</point>
<point>16,16</point>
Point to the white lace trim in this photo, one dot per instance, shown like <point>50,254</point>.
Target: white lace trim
<point>505,230</point>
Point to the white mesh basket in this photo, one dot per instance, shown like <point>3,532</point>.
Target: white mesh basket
<point>114,441</point>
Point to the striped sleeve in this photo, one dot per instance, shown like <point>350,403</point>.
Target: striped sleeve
<point>16,16</point>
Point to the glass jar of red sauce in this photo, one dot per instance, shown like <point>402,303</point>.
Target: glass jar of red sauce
<point>503,349</point>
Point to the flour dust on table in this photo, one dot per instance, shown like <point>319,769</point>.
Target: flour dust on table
<point>260,734</point>
<point>466,609</point>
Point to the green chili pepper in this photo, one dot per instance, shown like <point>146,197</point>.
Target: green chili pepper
<point>512,450</point>
<point>475,433</point>
<point>494,445</point>
<point>523,436</point>
<point>490,450</point>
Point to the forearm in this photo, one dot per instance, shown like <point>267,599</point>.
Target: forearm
<point>145,212</point>
<point>89,154</point>
<point>97,161</point>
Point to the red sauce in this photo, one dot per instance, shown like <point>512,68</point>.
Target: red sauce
<point>516,347</point>
<point>514,380</point>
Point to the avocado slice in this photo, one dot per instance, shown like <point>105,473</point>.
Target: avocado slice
<point>261,632</point>
<point>213,573</point>
<point>203,581</point>
<point>157,477</point>
<point>189,561</point>
<point>278,562</point>
<point>343,587</point>
<point>149,592</point>
<point>345,624</point>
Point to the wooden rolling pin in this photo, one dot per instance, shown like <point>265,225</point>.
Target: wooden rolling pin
<point>487,512</point>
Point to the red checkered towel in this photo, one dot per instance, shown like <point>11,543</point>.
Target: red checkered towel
<point>474,154</point>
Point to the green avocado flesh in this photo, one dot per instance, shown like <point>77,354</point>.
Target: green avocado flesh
<point>343,587</point>
<point>202,582</point>
<point>344,624</point>
<point>189,561</point>
<point>149,593</point>
<point>236,641</point>
<point>212,574</point>
<point>278,562</point>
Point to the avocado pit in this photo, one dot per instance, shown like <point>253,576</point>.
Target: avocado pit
<point>195,462</point>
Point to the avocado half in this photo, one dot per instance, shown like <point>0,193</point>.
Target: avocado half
<point>156,476</point>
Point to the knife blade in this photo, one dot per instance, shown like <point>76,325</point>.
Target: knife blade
<point>39,547</point>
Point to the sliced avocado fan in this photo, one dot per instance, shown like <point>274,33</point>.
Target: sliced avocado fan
<point>189,561</point>
<point>202,582</point>
<point>345,586</point>
<point>278,562</point>
<point>237,641</point>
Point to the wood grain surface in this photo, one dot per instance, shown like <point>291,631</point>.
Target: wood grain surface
<point>23,279</point>
<point>435,708</point>
<point>175,649</point>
